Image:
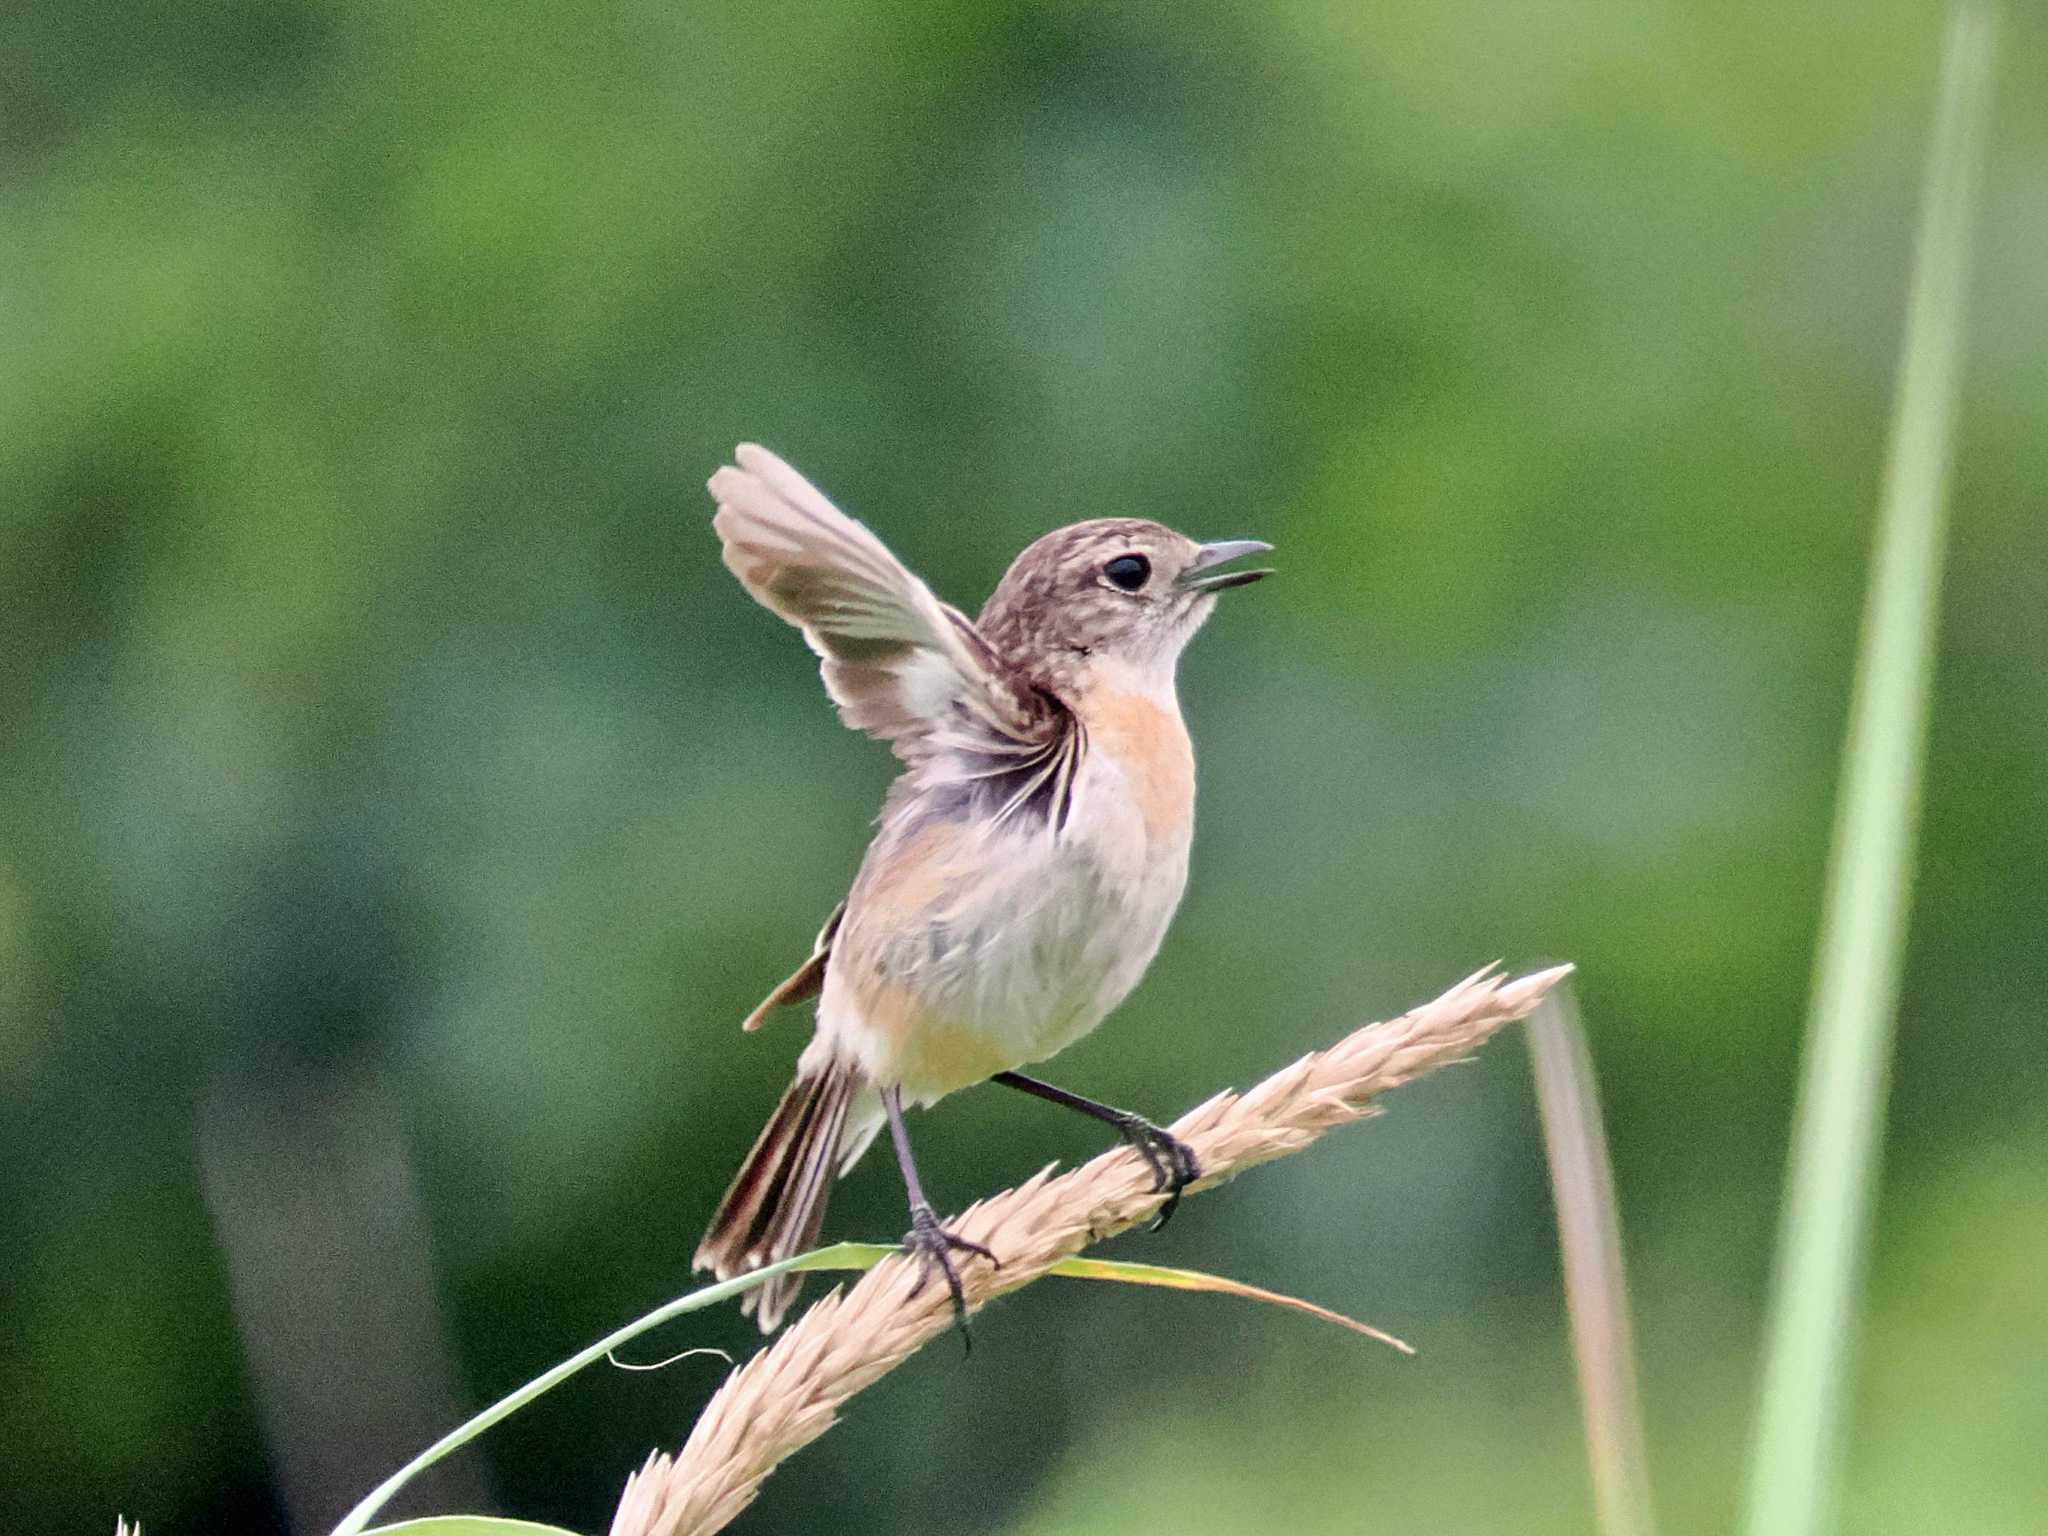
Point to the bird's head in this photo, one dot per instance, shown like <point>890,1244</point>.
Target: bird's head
<point>1117,590</point>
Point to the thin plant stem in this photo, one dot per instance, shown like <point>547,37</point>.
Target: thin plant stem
<point>1834,1164</point>
<point>1060,1216</point>
<point>837,1256</point>
<point>1595,1282</point>
<point>791,1392</point>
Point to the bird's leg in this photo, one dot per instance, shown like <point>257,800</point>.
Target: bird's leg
<point>1173,1161</point>
<point>931,1243</point>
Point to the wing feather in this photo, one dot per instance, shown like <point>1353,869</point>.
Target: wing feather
<point>900,664</point>
<point>806,982</point>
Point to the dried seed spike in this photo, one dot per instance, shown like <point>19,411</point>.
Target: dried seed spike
<point>791,1391</point>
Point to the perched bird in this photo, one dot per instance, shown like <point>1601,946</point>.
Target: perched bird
<point>1029,856</point>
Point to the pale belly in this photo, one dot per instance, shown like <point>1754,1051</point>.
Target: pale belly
<point>1023,947</point>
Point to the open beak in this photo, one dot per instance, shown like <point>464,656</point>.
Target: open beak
<point>1201,574</point>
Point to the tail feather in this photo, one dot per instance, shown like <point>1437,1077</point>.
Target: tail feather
<point>776,1204</point>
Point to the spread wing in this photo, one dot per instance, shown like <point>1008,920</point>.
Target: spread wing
<point>900,664</point>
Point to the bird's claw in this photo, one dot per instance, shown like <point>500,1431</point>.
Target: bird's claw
<point>1173,1162</point>
<point>933,1246</point>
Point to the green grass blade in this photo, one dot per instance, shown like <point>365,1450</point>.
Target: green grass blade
<point>1841,1098</point>
<point>838,1256</point>
<point>1199,1280</point>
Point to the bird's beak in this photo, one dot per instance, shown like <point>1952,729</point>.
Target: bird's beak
<point>1209,556</point>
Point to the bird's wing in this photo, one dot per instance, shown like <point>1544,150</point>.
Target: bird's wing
<point>900,664</point>
<point>807,981</point>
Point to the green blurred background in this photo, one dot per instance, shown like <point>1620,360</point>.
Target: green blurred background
<point>399,803</point>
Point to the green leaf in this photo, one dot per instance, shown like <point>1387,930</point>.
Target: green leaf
<point>839,1256</point>
<point>1196,1280</point>
<point>1795,1446</point>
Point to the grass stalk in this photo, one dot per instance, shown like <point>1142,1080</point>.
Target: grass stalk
<point>791,1392</point>
<point>1834,1165</point>
<point>1055,1216</point>
<point>1595,1282</point>
<point>358,1519</point>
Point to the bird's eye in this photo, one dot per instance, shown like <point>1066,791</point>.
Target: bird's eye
<point>1128,572</point>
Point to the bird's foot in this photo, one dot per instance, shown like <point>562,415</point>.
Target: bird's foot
<point>1173,1162</point>
<point>933,1247</point>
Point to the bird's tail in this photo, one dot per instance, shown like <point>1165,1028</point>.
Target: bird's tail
<point>777,1200</point>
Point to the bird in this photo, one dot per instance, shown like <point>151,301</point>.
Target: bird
<point>1028,858</point>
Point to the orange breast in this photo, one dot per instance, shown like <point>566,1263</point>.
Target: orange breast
<point>1149,742</point>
